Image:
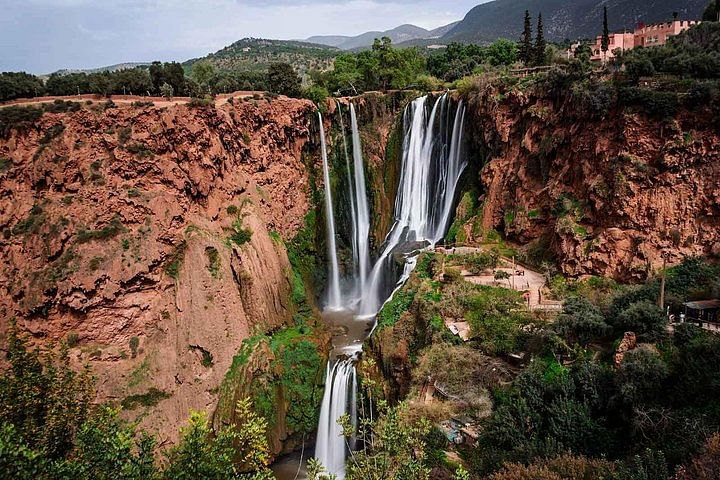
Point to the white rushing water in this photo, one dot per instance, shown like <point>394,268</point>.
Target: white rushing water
<point>331,446</point>
<point>362,217</point>
<point>334,299</point>
<point>432,164</point>
<point>351,192</point>
<point>431,167</point>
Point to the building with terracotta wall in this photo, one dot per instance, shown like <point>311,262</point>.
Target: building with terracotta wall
<point>618,41</point>
<point>654,35</point>
<point>657,34</point>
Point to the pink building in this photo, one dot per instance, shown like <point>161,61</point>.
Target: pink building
<point>618,42</point>
<point>653,35</point>
<point>657,34</point>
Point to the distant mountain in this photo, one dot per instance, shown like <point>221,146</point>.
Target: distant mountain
<point>256,54</point>
<point>440,31</point>
<point>329,40</point>
<point>399,35</point>
<point>566,19</point>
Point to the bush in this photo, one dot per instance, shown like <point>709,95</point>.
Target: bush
<point>318,95</point>
<point>134,344</point>
<point>148,399</point>
<point>581,322</point>
<point>18,118</point>
<point>112,229</point>
<point>175,260</point>
<point>657,104</point>
<point>646,319</point>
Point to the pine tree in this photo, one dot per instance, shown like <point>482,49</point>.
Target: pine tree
<point>540,42</point>
<point>526,46</point>
<point>605,43</point>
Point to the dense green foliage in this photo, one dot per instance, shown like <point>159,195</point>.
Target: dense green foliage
<point>19,85</point>
<point>283,79</point>
<point>49,430</point>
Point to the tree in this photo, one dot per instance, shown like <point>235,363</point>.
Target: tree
<point>238,452</point>
<point>167,91</point>
<point>526,45</point>
<point>18,85</point>
<point>283,79</point>
<point>581,321</point>
<point>202,73</point>
<point>393,447</point>
<point>605,42</point>
<point>644,318</point>
<point>641,376</point>
<point>712,12</point>
<point>501,52</point>
<point>42,397</point>
<point>540,44</point>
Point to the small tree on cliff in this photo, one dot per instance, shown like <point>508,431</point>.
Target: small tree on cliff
<point>540,43</point>
<point>283,79</point>
<point>526,46</point>
<point>166,90</point>
<point>712,12</point>
<point>605,43</point>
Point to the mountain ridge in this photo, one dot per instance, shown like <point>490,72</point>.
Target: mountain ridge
<point>565,19</point>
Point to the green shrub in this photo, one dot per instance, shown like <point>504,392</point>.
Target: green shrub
<point>134,344</point>
<point>112,229</point>
<point>139,149</point>
<point>148,399</point>
<point>393,309</point>
<point>18,118</point>
<point>240,235</point>
<point>5,164</point>
<point>200,102</point>
<point>175,260</point>
<point>72,339</point>
<point>213,265</point>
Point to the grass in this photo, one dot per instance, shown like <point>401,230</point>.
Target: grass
<point>140,373</point>
<point>111,230</point>
<point>240,235</point>
<point>5,164</point>
<point>392,310</point>
<point>32,224</point>
<point>175,260</point>
<point>213,265</point>
<point>148,399</point>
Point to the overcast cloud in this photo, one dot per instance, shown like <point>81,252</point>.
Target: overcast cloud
<point>41,36</point>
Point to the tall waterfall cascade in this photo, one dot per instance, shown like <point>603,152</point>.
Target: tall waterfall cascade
<point>334,300</point>
<point>431,166</point>
<point>362,215</point>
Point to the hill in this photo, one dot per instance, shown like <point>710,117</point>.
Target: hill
<point>566,19</point>
<point>256,54</point>
<point>404,34</point>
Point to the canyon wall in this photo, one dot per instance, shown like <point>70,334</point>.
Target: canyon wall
<point>151,240</point>
<point>602,193</point>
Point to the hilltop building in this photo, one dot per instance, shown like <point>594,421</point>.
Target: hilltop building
<point>654,35</point>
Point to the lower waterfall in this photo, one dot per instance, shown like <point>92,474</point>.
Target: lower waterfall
<point>432,163</point>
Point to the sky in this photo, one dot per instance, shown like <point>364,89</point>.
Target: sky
<point>42,36</point>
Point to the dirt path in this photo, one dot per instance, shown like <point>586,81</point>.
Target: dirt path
<point>522,279</point>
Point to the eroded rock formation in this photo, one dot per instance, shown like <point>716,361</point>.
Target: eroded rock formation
<point>125,233</point>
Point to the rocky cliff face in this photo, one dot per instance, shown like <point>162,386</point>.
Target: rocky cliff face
<point>148,238</point>
<point>604,195</point>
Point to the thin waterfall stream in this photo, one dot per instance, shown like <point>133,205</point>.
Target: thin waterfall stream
<point>334,300</point>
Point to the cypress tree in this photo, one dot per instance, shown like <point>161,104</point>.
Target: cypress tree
<point>526,46</point>
<point>605,44</point>
<point>540,42</point>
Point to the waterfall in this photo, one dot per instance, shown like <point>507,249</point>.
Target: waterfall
<point>334,300</point>
<point>362,220</point>
<point>432,164</point>
<point>351,191</point>
<point>431,167</point>
<point>340,383</point>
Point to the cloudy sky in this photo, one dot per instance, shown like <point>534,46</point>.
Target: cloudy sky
<point>41,36</point>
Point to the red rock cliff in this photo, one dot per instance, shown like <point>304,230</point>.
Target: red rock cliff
<point>116,226</point>
<point>606,195</point>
